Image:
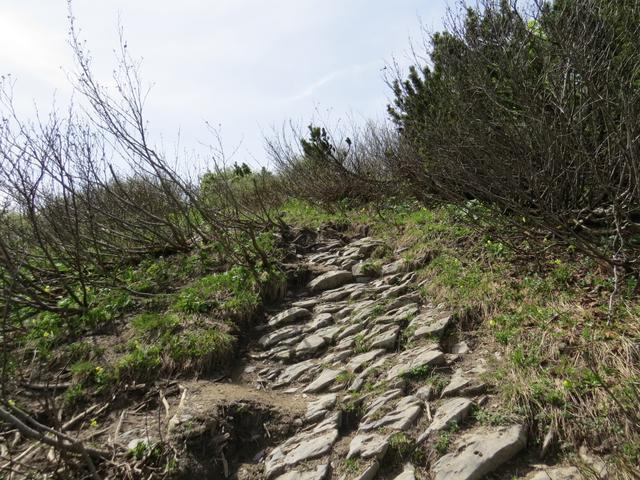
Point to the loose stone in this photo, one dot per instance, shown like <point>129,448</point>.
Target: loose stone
<point>329,280</point>
<point>479,453</point>
<point>289,316</point>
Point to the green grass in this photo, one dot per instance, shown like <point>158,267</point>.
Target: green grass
<point>155,323</point>
<point>232,293</point>
<point>543,307</point>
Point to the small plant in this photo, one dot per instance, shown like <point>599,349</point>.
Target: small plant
<point>418,373</point>
<point>492,417</point>
<point>155,323</point>
<point>144,449</point>
<point>230,292</point>
<point>352,465</point>
<point>401,445</point>
<point>345,377</point>
<point>360,345</point>
<point>443,441</point>
<point>372,268</point>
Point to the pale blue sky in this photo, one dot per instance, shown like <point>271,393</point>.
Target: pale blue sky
<point>247,65</point>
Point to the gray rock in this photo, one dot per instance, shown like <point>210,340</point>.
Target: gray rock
<point>403,416</point>
<point>289,316</point>
<point>306,303</point>
<point>329,280</point>
<point>416,358</point>
<point>322,255</point>
<point>326,378</point>
<point>347,264</point>
<point>366,245</point>
<point>430,324</point>
<point>555,473</point>
<point>460,348</point>
<point>349,330</point>
<point>293,372</point>
<point>395,267</point>
<point>359,361</point>
<point>273,338</point>
<point>369,473</point>
<point>346,343</point>
<point>318,408</point>
<point>337,356</point>
<point>408,473</point>
<point>136,442</point>
<point>463,384</point>
<point>321,472</point>
<point>329,307</point>
<point>385,339</point>
<point>299,449</point>
<point>319,321</point>
<point>393,292</point>
<point>339,293</point>
<point>343,313</point>
<point>595,463</point>
<point>367,445</point>
<point>425,393</point>
<point>360,269</point>
<point>309,345</point>
<point>329,333</point>
<point>403,300</point>
<point>480,452</point>
<point>380,402</point>
<point>451,411</point>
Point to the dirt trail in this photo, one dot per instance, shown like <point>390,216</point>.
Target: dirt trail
<point>354,377</point>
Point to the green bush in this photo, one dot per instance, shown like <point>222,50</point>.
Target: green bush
<point>524,107</point>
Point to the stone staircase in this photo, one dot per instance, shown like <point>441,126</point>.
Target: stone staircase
<point>362,351</point>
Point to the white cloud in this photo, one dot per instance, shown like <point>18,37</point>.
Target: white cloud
<point>240,63</point>
<point>29,48</point>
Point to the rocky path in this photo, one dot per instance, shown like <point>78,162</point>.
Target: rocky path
<point>367,357</point>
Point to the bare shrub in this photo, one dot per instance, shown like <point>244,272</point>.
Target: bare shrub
<point>334,169</point>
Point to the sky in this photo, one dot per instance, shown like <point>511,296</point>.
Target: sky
<point>246,67</point>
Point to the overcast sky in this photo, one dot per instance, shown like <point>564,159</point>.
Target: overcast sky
<point>246,65</point>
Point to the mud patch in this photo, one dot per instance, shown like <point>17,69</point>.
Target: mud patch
<point>235,433</point>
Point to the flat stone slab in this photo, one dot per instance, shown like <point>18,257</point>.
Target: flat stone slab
<point>341,293</point>
<point>462,383</point>
<point>415,358</point>
<point>289,316</point>
<point>370,472</point>
<point>306,303</point>
<point>302,447</point>
<point>431,323</point>
<point>395,267</point>
<point>329,307</point>
<point>318,321</point>
<point>318,408</point>
<point>359,361</point>
<point>329,280</point>
<point>555,473</point>
<point>460,348</point>
<point>385,339</point>
<point>379,402</point>
<point>403,416</point>
<point>451,411</point>
<point>408,473</point>
<point>324,380</point>
<point>284,333</point>
<point>293,372</point>
<point>329,333</point>
<point>321,472</point>
<point>367,445</point>
<point>480,452</point>
<point>309,345</point>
